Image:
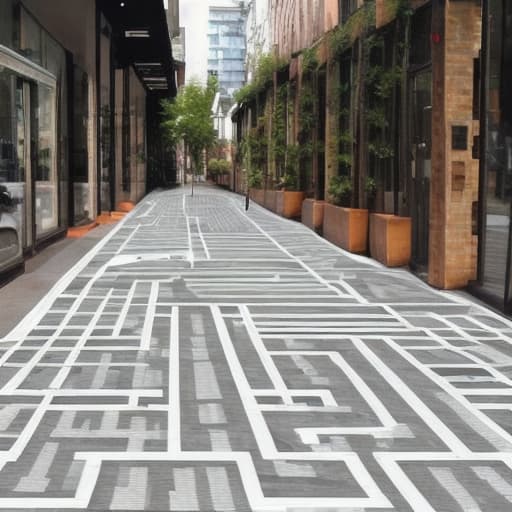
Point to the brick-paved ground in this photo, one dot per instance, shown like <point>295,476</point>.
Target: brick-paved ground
<point>206,359</point>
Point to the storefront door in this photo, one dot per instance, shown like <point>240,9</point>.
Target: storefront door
<point>495,236</point>
<point>421,145</point>
<point>28,166</point>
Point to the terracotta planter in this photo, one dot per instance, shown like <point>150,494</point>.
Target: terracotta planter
<point>257,195</point>
<point>125,206</point>
<point>346,227</point>
<point>313,214</point>
<point>270,200</point>
<point>289,203</point>
<point>390,239</point>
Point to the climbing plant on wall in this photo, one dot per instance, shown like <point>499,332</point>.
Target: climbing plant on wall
<point>368,121</point>
<point>278,143</point>
<point>307,116</point>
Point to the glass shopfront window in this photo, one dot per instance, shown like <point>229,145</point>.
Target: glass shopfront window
<point>495,261</point>
<point>46,183</point>
<point>8,23</point>
<point>105,116</point>
<point>31,44</point>
<point>12,151</point>
<point>33,132</point>
<point>80,156</point>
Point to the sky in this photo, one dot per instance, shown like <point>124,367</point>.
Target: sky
<point>194,17</point>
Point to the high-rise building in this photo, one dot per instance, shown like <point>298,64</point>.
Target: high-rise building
<point>226,45</point>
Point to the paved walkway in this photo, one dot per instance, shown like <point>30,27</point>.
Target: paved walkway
<point>205,359</point>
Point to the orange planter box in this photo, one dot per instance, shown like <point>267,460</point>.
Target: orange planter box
<point>257,195</point>
<point>390,239</point>
<point>346,227</point>
<point>289,203</point>
<point>270,200</point>
<point>313,214</point>
<point>125,206</point>
<point>80,231</point>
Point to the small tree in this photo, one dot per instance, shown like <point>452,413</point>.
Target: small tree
<point>188,118</point>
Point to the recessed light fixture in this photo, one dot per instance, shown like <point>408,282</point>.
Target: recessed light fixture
<point>122,4</point>
<point>136,33</point>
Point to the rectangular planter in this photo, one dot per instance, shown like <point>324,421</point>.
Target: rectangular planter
<point>289,203</point>
<point>346,227</point>
<point>257,195</point>
<point>270,200</point>
<point>313,214</point>
<point>390,239</point>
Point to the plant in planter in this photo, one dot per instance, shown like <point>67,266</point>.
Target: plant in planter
<point>287,182</point>
<point>290,179</point>
<point>340,190</point>
<point>370,188</point>
<point>289,198</point>
<point>255,184</point>
<point>224,169</point>
<point>345,226</point>
<point>213,168</point>
<point>255,178</point>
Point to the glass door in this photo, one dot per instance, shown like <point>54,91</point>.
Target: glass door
<point>12,193</point>
<point>421,146</point>
<point>45,171</point>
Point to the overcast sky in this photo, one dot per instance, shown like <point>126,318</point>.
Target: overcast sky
<point>194,17</point>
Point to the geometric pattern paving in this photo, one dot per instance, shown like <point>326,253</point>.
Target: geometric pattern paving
<point>204,358</point>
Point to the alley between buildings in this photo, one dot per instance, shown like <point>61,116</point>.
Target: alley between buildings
<point>205,358</point>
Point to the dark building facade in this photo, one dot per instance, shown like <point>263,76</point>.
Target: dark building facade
<point>79,90</point>
<point>495,262</point>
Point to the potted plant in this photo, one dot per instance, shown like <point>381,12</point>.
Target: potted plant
<point>224,168</point>
<point>344,226</point>
<point>213,168</point>
<point>288,197</point>
<point>370,188</point>
<point>255,182</point>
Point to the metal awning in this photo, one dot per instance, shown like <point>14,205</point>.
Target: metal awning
<point>141,39</point>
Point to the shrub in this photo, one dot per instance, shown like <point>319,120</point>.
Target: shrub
<point>340,190</point>
<point>255,179</point>
<point>213,166</point>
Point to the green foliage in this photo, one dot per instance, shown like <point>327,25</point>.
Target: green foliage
<point>287,182</point>
<point>344,160</point>
<point>278,144</point>
<point>340,190</point>
<point>224,167</point>
<point>380,150</point>
<point>255,178</point>
<point>309,61</point>
<point>213,166</point>
<point>188,118</point>
<point>370,187</point>
<point>345,137</point>
<point>307,118</point>
<point>218,167</point>
<point>255,148</point>
<point>398,8</point>
<point>263,75</point>
<point>376,118</point>
<point>246,93</point>
<point>290,179</point>
<point>387,80</point>
<point>357,24</point>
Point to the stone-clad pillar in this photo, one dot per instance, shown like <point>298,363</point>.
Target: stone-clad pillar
<point>456,38</point>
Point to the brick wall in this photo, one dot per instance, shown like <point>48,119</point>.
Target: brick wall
<point>297,24</point>
<point>454,188</point>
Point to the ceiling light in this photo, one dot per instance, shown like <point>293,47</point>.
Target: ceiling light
<point>136,33</point>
